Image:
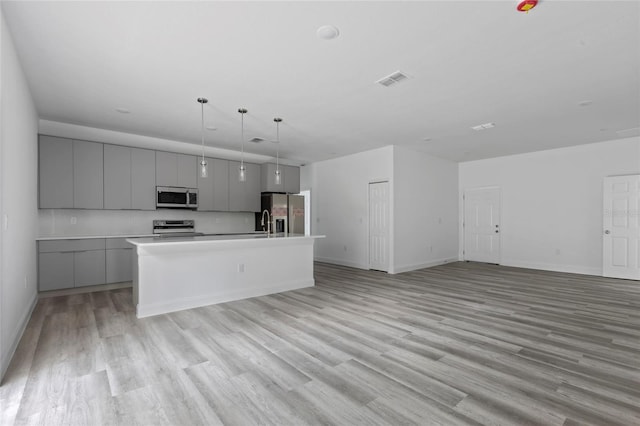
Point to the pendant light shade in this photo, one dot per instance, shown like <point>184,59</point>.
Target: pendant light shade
<point>203,163</point>
<point>242,170</point>
<point>277,179</point>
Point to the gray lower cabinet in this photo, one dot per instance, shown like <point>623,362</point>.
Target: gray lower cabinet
<point>213,191</point>
<point>118,260</point>
<point>55,271</point>
<point>244,196</point>
<point>89,268</point>
<point>88,176</point>
<point>55,158</point>
<point>71,263</point>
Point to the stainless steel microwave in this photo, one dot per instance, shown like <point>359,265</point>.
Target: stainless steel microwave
<point>171,197</point>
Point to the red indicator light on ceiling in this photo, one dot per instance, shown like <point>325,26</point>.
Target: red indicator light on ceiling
<point>527,5</point>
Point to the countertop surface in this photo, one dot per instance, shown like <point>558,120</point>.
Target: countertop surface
<point>151,236</point>
<point>218,237</point>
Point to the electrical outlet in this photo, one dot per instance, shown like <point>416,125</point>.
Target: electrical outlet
<point>217,220</point>
<point>431,248</point>
<point>558,252</point>
<point>5,222</point>
<point>240,267</point>
<point>345,248</point>
<point>25,282</point>
<point>73,220</point>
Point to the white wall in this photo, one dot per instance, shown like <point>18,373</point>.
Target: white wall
<point>340,204</point>
<point>552,202</point>
<point>18,199</point>
<point>425,210</point>
<point>57,222</point>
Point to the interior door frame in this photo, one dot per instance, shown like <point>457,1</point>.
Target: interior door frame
<point>389,224</point>
<point>462,224</point>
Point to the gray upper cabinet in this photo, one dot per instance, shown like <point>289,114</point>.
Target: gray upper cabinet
<point>88,178</point>
<point>55,173</point>
<point>187,171</point>
<point>176,170</point>
<point>292,179</point>
<point>117,177</point>
<point>289,178</point>
<point>143,179</point>
<point>166,169</point>
<point>213,191</point>
<point>244,196</point>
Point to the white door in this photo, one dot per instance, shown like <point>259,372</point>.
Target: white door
<point>379,226</point>
<point>481,225</point>
<point>621,234</point>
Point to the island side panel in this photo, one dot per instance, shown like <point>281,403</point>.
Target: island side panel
<point>177,277</point>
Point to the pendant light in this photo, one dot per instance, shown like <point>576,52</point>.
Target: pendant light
<point>277,176</point>
<point>242,171</point>
<point>203,163</point>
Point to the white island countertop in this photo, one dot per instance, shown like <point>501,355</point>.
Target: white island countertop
<point>176,273</point>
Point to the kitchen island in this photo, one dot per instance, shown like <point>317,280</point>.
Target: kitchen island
<point>172,274</point>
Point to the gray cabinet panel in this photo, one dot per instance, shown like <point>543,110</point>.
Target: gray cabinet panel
<point>89,268</point>
<point>55,271</point>
<point>289,177</point>
<point>143,179</point>
<point>220,174</point>
<point>244,196</point>
<point>118,267</point>
<point>267,173</point>
<point>117,177</point>
<point>213,191</point>
<point>292,180</point>
<point>55,173</point>
<point>71,245</point>
<point>187,170</point>
<point>166,169</point>
<point>113,243</point>
<point>205,188</point>
<point>88,178</point>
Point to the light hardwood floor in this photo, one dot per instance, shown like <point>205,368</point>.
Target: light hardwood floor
<point>461,343</point>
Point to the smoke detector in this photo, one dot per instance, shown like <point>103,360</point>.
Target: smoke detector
<point>392,79</point>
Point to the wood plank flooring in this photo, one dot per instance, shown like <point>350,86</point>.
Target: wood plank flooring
<point>461,343</point>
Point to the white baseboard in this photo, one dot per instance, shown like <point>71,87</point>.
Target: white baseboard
<point>17,335</point>
<point>198,301</point>
<point>416,266</point>
<point>341,262</point>
<point>571,269</point>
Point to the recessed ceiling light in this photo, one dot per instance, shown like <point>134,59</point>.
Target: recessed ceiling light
<point>484,126</point>
<point>426,139</point>
<point>327,32</point>
<point>585,103</point>
<point>123,110</point>
<point>256,140</point>
<point>211,128</point>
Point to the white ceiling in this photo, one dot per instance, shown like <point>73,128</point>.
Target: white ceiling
<point>470,63</point>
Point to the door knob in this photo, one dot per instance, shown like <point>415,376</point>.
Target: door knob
<point>607,231</point>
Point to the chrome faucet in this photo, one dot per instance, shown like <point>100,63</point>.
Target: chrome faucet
<point>268,221</point>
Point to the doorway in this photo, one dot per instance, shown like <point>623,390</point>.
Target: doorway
<point>307,211</point>
<point>481,225</point>
<point>379,226</point>
<point>621,223</point>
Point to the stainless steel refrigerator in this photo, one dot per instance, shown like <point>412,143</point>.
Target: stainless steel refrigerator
<point>287,213</point>
<point>296,214</point>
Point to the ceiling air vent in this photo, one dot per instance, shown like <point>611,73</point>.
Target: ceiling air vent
<point>392,79</point>
<point>256,140</point>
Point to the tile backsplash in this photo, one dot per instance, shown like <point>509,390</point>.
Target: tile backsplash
<point>71,222</point>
